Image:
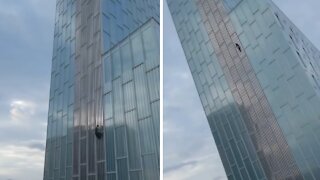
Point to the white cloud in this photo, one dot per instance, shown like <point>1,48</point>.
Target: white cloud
<point>19,162</point>
<point>203,168</point>
<point>22,141</point>
<point>21,110</point>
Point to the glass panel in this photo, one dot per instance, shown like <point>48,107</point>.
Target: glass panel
<point>151,47</point>
<point>146,136</point>
<point>118,103</point>
<point>107,74</point>
<point>121,142</point>
<point>116,64</point>
<point>108,107</point>
<point>137,50</point>
<point>69,154</point>
<point>122,169</point>
<point>150,165</point>
<point>133,140</point>
<point>110,153</point>
<point>129,96</point>
<point>136,175</point>
<point>126,58</point>
<point>154,86</point>
<point>111,176</point>
<point>143,104</point>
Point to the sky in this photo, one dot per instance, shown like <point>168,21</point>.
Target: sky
<point>189,149</point>
<point>26,39</point>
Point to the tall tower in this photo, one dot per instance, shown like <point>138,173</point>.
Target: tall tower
<point>103,120</point>
<point>257,77</point>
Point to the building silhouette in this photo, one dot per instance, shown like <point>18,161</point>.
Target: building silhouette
<point>257,76</point>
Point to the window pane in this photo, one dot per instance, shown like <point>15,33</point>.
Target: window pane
<point>151,48</point>
<point>116,64</point>
<point>137,50</point>
<point>126,58</point>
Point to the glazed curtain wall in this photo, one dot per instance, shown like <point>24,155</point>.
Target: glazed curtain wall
<point>227,123</point>
<point>286,64</point>
<point>79,94</point>
<point>238,79</point>
<point>120,18</point>
<point>58,158</point>
<point>131,103</point>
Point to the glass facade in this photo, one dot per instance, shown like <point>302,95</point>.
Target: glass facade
<point>103,118</point>
<point>121,18</point>
<point>257,78</point>
<point>58,158</point>
<point>132,104</point>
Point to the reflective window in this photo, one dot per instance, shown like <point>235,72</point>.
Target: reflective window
<point>132,111</point>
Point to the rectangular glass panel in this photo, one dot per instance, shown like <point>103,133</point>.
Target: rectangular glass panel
<point>137,50</point>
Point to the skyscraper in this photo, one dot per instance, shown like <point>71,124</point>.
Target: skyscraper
<point>257,77</point>
<point>103,120</point>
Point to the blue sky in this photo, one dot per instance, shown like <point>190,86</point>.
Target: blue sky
<point>189,149</point>
<point>26,38</point>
